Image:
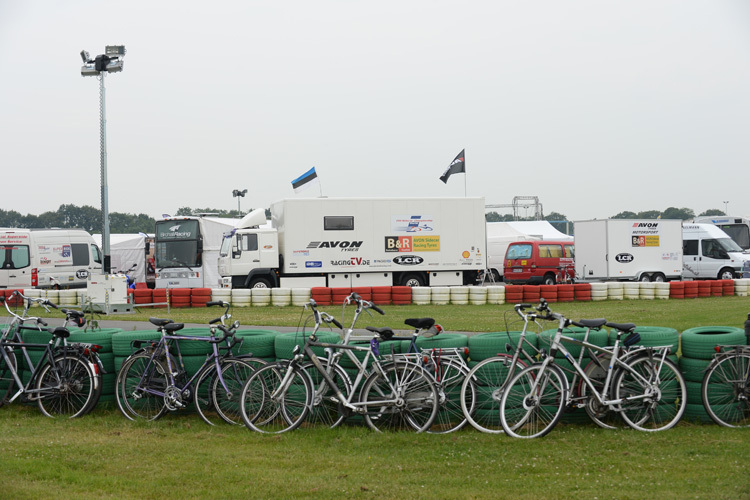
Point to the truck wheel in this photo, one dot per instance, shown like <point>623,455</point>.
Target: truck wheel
<point>549,279</point>
<point>412,280</point>
<point>260,283</point>
<point>658,278</point>
<point>645,278</point>
<point>726,274</point>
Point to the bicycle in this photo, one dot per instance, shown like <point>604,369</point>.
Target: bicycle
<point>152,381</point>
<point>278,398</point>
<point>644,387</point>
<point>725,389</point>
<point>64,381</point>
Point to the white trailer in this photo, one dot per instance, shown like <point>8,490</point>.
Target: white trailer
<point>343,242</point>
<point>187,250</point>
<point>628,250</point>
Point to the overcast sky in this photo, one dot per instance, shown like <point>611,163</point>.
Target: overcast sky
<point>593,106</point>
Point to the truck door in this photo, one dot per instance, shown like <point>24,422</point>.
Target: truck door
<point>690,259</point>
<point>713,258</point>
<point>247,250</point>
<point>16,266</point>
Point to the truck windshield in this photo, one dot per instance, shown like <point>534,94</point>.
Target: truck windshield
<point>226,246</point>
<point>740,233</point>
<point>729,245</point>
<point>177,243</point>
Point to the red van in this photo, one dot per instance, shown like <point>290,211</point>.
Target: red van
<point>538,262</point>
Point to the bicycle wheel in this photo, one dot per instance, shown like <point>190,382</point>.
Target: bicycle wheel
<point>450,376</point>
<point>263,410</point>
<point>533,401</point>
<point>403,396</point>
<point>725,391</point>
<point>325,406</point>
<point>489,377</point>
<point>663,387</point>
<point>7,369</point>
<point>140,387</point>
<point>226,396</point>
<point>602,415</point>
<point>203,396</point>
<point>66,387</point>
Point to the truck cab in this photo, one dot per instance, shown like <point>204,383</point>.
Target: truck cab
<point>249,254</point>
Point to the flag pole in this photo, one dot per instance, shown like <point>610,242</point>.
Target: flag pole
<point>465,185</point>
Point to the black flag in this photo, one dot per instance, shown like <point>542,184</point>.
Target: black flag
<point>457,166</point>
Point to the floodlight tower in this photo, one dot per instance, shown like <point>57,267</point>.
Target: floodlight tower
<point>109,62</point>
<point>239,194</point>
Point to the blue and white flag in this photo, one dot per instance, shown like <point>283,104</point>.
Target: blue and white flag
<point>305,180</point>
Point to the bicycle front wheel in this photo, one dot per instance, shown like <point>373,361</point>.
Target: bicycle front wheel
<point>271,405</point>
<point>655,393</point>
<point>725,391</point>
<point>66,386</point>
<point>488,377</point>
<point>403,396</point>
<point>7,369</point>
<point>226,396</point>
<point>450,376</point>
<point>533,401</point>
<point>140,387</point>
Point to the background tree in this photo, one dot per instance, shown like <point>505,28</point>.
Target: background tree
<point>626,215</point>
<point>712,211</point>
<point>678,213</point>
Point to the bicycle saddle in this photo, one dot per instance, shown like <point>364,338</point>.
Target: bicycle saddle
<point>623,327</point>
<point>385,332</point>
<point>590,323</point>
<point>60,332</point>
<point>420,323</point>
<point>160,322</point>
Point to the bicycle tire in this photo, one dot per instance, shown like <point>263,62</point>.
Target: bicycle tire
<point>531,414</point>
<point>137,403</point>
<point>725,390</point>
<point>67,386</point>
<point>325,409</point>
<point>657,413</point>
<point>203,396</point>
<point>489,377</point>
<point>403,396</point>
<point>6,375</point>
<point>235,373</point>
<point>273,415</point>
<point>450,376</point>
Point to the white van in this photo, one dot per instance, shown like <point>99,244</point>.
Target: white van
<point>47,258</point>
<point>709,253</point>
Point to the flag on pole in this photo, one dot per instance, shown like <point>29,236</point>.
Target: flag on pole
<point>305,180</point>
<point>457,166</point>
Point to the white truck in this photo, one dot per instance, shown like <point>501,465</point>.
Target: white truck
<point>709,253</point>
<point>47,258</point>
<point>187,249</point>
<point>628,250</point>
<point>344,242</point>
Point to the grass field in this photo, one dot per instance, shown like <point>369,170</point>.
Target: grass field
<point>105,456</point>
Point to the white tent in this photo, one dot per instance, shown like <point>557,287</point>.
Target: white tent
<point>540,229</point>
<point>125,251</point>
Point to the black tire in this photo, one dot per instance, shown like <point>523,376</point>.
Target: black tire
<point>549,279</point>
<point>533,401</point>
<point>450,376</point>
<point>725,391</point>
<point>404,396</point>
<point>68,386</point>
<point>727,274</point>
<point>665,407</point>
<point>412,279</point>
<point>645,278</point>
<point>324,409</point>
<point>145,402</point>
<point>489,378</point>
<point>226,396</point>
<point>658,278</point>
<point>263,413</point>
<point>260,283</point>
<point>7,369</point>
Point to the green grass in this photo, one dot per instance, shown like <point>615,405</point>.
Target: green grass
<point>105,456</point>
<point>678,314</point>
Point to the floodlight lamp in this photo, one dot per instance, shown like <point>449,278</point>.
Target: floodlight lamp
<point>115,50</point>
<point>89,69</point>
<point>85,56</point>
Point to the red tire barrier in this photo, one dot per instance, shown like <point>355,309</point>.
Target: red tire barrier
<point>691,289</point>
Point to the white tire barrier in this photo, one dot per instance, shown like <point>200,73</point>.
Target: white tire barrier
<point>260,297</point>
<point>495,294</point>
<point>300,296</point>
<point>459,295</point>
<point>421,295</point>
<point>477,295</point>
<point>281,296</point>
<point>441,295</point>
